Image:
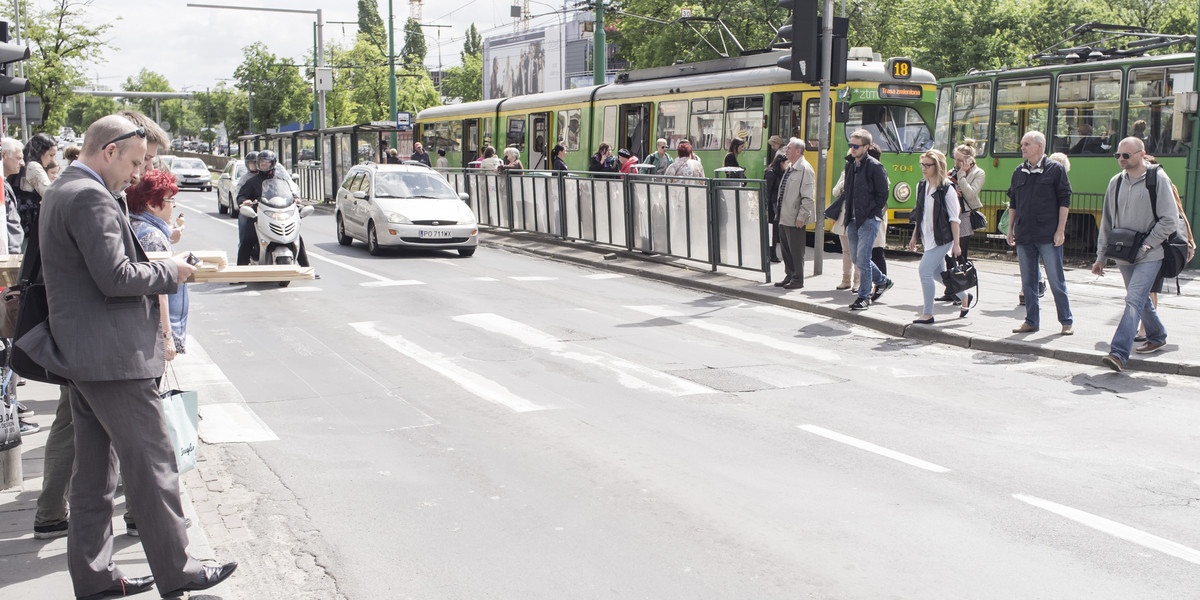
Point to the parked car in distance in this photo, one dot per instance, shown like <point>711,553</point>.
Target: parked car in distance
<point>191,173</point>
<point>162,162</point>
<point>227,187</point>
<point>406,206</point>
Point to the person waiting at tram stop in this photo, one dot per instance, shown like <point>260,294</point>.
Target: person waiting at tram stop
<point>512,161</point>
<point>797,209</point>
<point>627,160</point>
<point>685,165</point>
<point>731,158</point>
<point>490,163</point>
<point>772,177</point>
<point>968,180</point>
<point>557,158</point>
<point>603,160</point>
<point>660,159</point>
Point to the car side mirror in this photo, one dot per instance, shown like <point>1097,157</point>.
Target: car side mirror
<point>361,195</point>
<point>465,197</point>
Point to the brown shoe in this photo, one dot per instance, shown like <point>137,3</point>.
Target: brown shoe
<point>1025,328</point>
<point>782,283</point>
<point>1111,361</point>
<point>1150,347</point>
<point>793,285</point>
<point>1068,330</point>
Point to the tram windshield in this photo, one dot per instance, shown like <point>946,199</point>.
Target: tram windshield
<point>894,128</point>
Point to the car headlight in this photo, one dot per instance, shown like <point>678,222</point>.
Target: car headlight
<point>280,215</point>
<point>902,191</point>
<point>398,218</point>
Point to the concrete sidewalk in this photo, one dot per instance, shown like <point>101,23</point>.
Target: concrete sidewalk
<point>1096,303</point>
<point>37,569</point>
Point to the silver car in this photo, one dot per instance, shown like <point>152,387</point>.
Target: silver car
<point>408,206</point>
<point>191,172</point>
<point>227,187</point>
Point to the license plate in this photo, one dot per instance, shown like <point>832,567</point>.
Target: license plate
<point>425,233</point>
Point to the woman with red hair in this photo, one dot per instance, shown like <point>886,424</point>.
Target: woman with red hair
<point>686,165</point>
<point>151,202</point>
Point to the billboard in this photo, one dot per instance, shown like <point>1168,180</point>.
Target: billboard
<point>522,63</point>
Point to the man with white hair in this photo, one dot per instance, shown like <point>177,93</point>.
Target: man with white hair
<point>11,237</point>
<point>1039,200</point>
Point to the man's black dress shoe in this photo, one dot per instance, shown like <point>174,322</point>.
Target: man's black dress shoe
<point>127,586</point>
<point>208,577</point>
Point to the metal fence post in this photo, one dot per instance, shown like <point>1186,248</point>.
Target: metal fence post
<point>714,239</point>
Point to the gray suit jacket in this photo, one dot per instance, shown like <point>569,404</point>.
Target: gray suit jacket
<point>102,290</point>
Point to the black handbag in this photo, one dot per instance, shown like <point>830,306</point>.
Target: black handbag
<point>979,222</point>
<point>833,211</point>
<point>960,276</point>
<point>1124,244</point>
<point>33,310</point>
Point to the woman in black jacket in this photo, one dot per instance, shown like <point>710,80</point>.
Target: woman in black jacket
<point>603,160</point>
<point>935,220</point>
<point>735,148</point>
<point>556,158</point>
<point>773,176</point>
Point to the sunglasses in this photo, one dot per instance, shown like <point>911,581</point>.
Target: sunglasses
<point>140,132</point>
<point>926,165</point>
<point>855,146</point>
<point>1126,155</point>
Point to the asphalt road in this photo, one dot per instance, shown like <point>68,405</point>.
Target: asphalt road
<point>505,426</point>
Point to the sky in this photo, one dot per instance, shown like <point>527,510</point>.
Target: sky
<point>195,48</point>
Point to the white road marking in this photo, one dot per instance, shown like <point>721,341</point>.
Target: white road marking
<point>484,279</point>
<point>232,423</point>
<point>472,382</point>
<point>1115,529</point>
<point>353,269</point>
<point>745,336</point>
<point>391,283</point>
<point>531,278</point>
<point>300,288</point>
<point>604,276</point>
<point>811,319</point>
<point>869,447</point>
<point>629,374</point>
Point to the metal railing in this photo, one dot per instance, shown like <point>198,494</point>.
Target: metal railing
<point>1082,224</point>
<point>312,181</point>
<point>721,222</point>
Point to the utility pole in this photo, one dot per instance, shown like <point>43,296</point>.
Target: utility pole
<point>392,78</point>
<point>599,48</point>
<point>823,143</point>
<point>21,106</point>
<point>1192,202</point>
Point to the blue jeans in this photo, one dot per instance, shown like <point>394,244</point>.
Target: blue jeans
<point>1139,277</point>
<point>1052,259</point>
<point>862,239</point>
<point>933,262</point>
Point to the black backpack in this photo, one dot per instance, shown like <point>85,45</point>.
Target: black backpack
<point>1175,248</point>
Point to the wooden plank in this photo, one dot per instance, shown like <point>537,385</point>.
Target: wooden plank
<point>253,274</point>
<point>216,257</point>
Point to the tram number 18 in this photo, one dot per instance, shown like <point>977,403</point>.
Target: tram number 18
<point>900,68</point>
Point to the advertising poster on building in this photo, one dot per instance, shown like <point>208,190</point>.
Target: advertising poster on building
<point>523,63</point>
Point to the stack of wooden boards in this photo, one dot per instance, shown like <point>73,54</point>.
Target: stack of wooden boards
<point>213,268</point>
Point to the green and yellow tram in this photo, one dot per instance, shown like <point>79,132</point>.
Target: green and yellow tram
<point>1084,110</point>
<point>707,104</point>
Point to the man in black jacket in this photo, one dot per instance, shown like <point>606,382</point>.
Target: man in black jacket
<point>865,196</point>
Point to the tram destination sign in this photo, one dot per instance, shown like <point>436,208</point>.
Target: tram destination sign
<point>900,91</point>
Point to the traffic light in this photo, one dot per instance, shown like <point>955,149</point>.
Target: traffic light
<point>804,33</point>
<point>9,54</point>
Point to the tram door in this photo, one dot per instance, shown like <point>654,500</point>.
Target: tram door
<point>539,158</point>
<point>635,129</point>
<point>470,141</point>
<point>786,115</point>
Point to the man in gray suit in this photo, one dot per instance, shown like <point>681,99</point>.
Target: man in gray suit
<point>106,339</point>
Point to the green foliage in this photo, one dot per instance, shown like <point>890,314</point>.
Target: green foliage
<point>370,24</point>
<point>63,43</point>
<point>146,81</point>
<point>83,110</point>
<point>466,81</point>
<point>473,46</point>
<point>414,49</point>
<point>277,93</point>
<point>415,91</point>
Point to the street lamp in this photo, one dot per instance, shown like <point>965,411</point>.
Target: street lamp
<point>319,50</point>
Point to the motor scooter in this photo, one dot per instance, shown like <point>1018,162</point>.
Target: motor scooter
<point>277,223</point>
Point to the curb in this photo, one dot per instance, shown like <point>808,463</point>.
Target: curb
<point>713,282</point>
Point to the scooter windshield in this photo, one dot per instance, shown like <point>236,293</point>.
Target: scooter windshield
<point>276,193</point>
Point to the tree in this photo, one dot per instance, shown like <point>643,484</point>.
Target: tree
<point>277,95</point>
<point>473,46</point>
<point>465,82</point>
<point>415,91</point>
<point>414,50</point>
<point>370,24</point>
<point>146,81</point>
<point>63,41</point>
<point>84,109</point>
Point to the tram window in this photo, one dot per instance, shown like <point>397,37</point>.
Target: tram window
<point>454,140</point>
<point>672,122</point>
<point>515,135</point>
<point>972,115</point>
<point>486,131</point>
<point>567,129</point>
<point>609,126</point>
<point>706,124</point>
<point>894,128</point>
<point>744,119</point>
<point>941,121</point>
<point>1086,113</point>
<point>1152,107</point>
<point>812,125</point>
<point>1021,106</point>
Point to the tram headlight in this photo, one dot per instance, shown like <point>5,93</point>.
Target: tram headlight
<point>902,191</point>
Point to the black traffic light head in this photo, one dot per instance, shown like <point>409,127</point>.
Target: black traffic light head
<point>11,53</point>
<point>804,34</point>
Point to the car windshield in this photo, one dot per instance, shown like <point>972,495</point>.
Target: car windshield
<point>188,163</point>
<point>412,185</point>
<point>894,128</point>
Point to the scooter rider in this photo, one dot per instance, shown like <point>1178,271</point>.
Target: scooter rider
<point>244,222</point>
<point>249,194</point>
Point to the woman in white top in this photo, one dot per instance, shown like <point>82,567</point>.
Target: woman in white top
<point>936,220</point>
<point>490,161</point>
<point>39,152</point>
<point>968,178</point>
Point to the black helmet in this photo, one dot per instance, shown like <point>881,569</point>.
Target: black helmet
<point>266,161</point>
<point>252,160</point>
